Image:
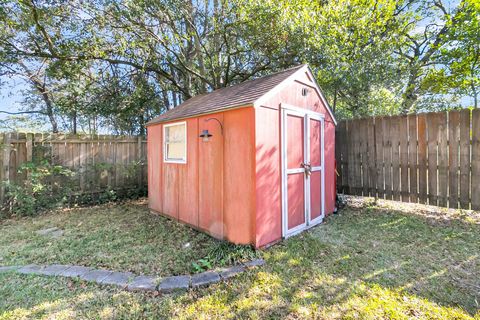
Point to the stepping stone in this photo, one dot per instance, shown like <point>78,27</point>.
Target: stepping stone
<point>205,279</point>
<point>74,271</point>
<point>53,270</point>
<point>120,279</point>
<point>8,268</point>
<point>255,263</point>
<point>143,283</point>
<point>175,283</point>
<point>54,232</point>
<point>30,269</point>
<point>227,273</point>
<point>96,275</point>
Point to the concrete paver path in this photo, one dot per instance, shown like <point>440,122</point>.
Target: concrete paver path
<point>129,281</point>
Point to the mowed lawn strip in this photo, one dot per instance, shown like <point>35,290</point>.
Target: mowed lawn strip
<point>369,262</point>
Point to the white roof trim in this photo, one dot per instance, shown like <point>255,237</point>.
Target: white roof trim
<point>260,101</point>
<point>320,93</point>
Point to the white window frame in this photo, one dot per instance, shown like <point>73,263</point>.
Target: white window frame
<point>165,159</point>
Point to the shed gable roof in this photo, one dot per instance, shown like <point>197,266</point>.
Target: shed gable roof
<point>242,94</point>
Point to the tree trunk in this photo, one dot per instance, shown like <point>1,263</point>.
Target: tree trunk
<point>74,122</point>
<point>40,86</point>
<point>49,109</point>
<point>334,100</point>
<point>410,96</point>
<point>475,94</point>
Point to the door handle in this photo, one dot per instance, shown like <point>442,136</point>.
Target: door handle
<point>308,168</point>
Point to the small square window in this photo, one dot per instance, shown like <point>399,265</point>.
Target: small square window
<point>175,142</point>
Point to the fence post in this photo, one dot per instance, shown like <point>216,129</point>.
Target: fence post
<point>5,174</point>
<point>29,147</point>
<point>140,161</point>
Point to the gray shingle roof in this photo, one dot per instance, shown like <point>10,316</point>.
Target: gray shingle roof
<point>242,94</point>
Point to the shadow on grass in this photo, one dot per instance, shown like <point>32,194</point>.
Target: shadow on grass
<point>366,262</point>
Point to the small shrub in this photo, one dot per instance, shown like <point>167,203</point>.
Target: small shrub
<point>45,186</point>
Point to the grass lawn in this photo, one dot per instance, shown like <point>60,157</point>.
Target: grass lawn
<point>371,261</point>
<point>124,237</point>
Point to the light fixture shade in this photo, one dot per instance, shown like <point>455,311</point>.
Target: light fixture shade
<point>205,135</point>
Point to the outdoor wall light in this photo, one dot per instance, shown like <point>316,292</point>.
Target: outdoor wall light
<point>305,91</point>
<point>205,135</point>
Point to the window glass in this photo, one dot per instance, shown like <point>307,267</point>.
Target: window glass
<point>175,142</point>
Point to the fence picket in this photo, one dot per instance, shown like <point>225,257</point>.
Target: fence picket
<point>453,157</point>
<point>404,158</point>
<point>476,159</point>
<point>422,158</point>
<point>387,149</point>
<point>442,160</point>
<point>465,159</point>
<point>364,156</point>
<point>412,158</point>
<point>379,157</point>
<point>371,160</point>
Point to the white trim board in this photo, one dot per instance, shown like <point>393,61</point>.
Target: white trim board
<point>180,161</point>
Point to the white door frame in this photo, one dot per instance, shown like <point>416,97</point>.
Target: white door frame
<point>306,115</point>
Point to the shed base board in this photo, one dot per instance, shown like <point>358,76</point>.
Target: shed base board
<point>152,211</point>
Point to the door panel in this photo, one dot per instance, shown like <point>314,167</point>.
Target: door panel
<point>315,143</point>
<point>295,143</point>
<point>315,195</point>
<point>315,160</point>
<point>296,200</point>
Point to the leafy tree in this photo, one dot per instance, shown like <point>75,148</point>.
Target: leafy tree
<point>420,44</point>
<point>461,74</point>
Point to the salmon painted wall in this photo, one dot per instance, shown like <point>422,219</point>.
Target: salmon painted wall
<point>268,176</point>
<point>214,191</point>
<point>154,157</point>
<point>239,172</point>
<point>268,158</point>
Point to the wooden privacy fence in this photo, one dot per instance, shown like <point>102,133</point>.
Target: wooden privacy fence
<point>101,162</point>
<point>430,158</point>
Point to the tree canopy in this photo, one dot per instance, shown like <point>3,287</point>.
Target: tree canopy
<point>116,64</point>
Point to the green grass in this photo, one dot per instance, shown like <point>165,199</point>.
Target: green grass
<point>124,237</point>
<point>368,262</point>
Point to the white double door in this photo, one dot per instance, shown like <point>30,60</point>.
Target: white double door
<point>303,178</point>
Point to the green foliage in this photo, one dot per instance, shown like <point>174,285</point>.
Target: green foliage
<point>42,186</point>
<point>225,253</point>
<point>201,265</point>
<point>45,186</point>
<point>115,65</point>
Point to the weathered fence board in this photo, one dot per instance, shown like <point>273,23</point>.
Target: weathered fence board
<point>422,158</point>
<point>475,160</point>
<point>465,159</point>
<point>100,162</point>
<point>453,157</point>
<point>379,159</point>
<point>404,158</point>
<point>412,158</point>
<point>430,158</point>
<point>442,161</point>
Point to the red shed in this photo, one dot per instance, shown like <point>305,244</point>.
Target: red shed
<point>250,163</point>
